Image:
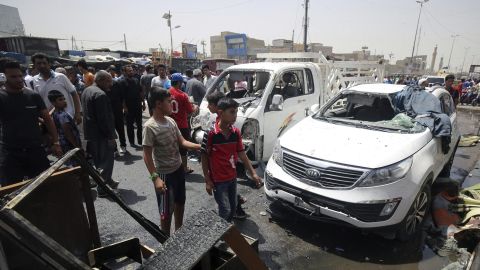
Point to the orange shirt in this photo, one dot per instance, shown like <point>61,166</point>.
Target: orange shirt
<point>88,79</point>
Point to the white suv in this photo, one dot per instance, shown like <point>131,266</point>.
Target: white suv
<point>369,169</point>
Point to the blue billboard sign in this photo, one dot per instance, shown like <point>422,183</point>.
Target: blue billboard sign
<point>236,45</point>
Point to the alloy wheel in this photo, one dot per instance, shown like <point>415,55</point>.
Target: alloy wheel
<point>419,209</point>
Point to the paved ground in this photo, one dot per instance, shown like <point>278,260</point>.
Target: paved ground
<point>292,244</point>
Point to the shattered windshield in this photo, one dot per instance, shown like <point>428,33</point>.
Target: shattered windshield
<point>242,83</point>
<point>367,110</point>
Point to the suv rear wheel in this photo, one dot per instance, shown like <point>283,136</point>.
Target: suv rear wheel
<point>413,222</point>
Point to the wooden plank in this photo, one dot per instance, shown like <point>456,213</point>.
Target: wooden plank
<point>90,206</point>
<point>38,243</point>
<point>187,246</point>
<point>243,250</point>
<point>11,188</point>
<point>128,248</point>
<point>40,179</point>
<point>146,251</point>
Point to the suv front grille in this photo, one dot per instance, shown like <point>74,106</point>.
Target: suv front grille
<point>367,212</point>
<point>330,177</point>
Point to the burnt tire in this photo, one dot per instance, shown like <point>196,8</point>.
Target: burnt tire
<point>413,222</point>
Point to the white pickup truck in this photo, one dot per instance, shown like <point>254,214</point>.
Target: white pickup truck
<point>275,95</point>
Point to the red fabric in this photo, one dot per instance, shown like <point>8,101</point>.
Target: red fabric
<point>223,153</point>
<point>181,107</point>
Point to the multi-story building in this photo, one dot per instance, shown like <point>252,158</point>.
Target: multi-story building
<point>236,46</point>
<point>10,22</point>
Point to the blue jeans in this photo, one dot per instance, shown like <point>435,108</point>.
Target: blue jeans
<point>225,195</point>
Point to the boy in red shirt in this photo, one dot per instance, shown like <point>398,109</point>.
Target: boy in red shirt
<point>221,148</point>
<point>181,108</point>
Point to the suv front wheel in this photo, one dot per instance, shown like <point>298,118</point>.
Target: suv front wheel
<point>414,220</point>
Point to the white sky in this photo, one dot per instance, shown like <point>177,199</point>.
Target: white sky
<point>385,26</point>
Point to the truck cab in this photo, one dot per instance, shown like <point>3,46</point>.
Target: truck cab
<point>274,95</point>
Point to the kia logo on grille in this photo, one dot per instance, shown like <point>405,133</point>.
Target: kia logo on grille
<point>313,174</point>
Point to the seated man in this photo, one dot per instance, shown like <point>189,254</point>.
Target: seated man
<point>289,90</point>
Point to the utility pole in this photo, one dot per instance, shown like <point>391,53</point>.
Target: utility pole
<point>418,41</point>
<point>125,41</point>
<point>451,50</point>
<point>416,31</point>
<point>305,28</point>
<point>465,56</point>
<point>203,43</point>
<point>72,43</point>
<point>293,39</point>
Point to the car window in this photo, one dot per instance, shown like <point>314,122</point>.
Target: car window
<point>290,84</point>
<point>448,106</point>
<point>310,85</point>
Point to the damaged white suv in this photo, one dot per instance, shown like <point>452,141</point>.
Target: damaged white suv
<point>358,162</point>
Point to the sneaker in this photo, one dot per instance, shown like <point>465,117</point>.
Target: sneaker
<point>449,248</point>
<point>240,214</point>
<point>113,184</point>
<point>122,150</point>
<point>93,184</point>
<point>241,200</point>
<point>116,154</point>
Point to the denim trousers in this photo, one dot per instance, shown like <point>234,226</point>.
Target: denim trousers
<point>225,194</point>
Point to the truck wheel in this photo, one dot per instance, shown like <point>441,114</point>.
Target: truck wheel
<point>415,218</point>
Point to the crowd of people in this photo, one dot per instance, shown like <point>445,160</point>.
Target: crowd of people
<point>455,87</point>
<point>47,110</point>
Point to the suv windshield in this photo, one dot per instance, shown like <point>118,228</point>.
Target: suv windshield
<point>242,83</point>
<point>367,110</point>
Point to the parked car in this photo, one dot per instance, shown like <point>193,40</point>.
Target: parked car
<point>349,163</point>
<point>435,80</point>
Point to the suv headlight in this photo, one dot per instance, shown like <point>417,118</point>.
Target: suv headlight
<point>387,174</point>
<point>250,130</point>
<point>277,154</point>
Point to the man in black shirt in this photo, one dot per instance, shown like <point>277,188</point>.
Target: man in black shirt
<point>116,100</point>
<point>134,103</point>
<point>99,127</point>
<point>22,155</point>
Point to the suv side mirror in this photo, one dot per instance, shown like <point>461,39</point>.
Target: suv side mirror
<point>277,103</point>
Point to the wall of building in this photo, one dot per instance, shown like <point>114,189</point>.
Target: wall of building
<point>10,22</point>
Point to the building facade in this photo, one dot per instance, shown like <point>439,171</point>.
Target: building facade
<point>10,22</point>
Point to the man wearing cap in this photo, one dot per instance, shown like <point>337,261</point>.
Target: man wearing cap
<point>195,87</point>
<point>181,108</point>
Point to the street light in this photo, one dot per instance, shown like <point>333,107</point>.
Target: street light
<point>418,22</point>
<point>168,17</point>
<point>451,50</point>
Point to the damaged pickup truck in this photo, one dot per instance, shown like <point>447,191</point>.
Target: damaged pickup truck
<point>366,159</point>
<point>276,94</point>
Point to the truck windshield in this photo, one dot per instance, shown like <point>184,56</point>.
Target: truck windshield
<point>367,110</point>
<point>435,80</point>
<point>241,83</point>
